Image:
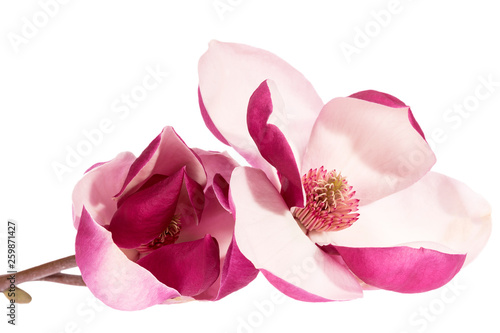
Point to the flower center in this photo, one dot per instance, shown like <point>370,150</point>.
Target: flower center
<point>330,203</point>
<point>168,236</point>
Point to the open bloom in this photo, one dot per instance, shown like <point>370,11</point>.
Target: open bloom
<point>340,197</point>
<point>152,230</point>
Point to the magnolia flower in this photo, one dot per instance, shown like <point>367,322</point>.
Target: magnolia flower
<point>151,229</point>
<point>340,197</point>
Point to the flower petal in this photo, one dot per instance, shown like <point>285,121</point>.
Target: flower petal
<point>373,145</point>
<point>436,210</point>
<point>273,145</point>
<point>402,269</point>
<point>268,235</point>
<point>98,186</point>
<point>229,73</point>
<point>208,121</point>
<point>166,154</point>
<point>237,271</point>
<point>190,267</point>
<point>216,163</point>
<point>110,275</point>
<point>218,167</point>
<point>221,190</point>
<point>144,215</point>
<point>388,100</point>
<point>220,224</point>
<point>191,200</point>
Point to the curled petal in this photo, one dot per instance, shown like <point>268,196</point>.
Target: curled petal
<point>144,215</point>
<point>268,235</point>
<point>388,100</point>
<point>373,145</point>
<point>110,275</point>
<point>273,145</point>
<point>166,154</point>
<point>402,269</point>
<point>229,73</point>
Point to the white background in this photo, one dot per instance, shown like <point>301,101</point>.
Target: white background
<point>64,79</point>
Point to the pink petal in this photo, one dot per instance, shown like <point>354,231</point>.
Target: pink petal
<point>98,186</point>
<point>373,145</point>
<point>166,154</point>
<point>190,267</point>
<point>402,269</point>
<point>273,145</point>
<point>191,204</point>
<point>110,276</point>
<point>237,271</point>
<point>229,74</point>
<point>216,163</point>
<point>208,121</point>
<point>221,191</point>
<point>388,100</point>
<point>268,235</point>
<point>218,167</point>
<point>215,220</point>
<point>437,212</point>
<point>144,215</point>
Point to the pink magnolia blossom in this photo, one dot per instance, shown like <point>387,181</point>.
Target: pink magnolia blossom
<point>340,197</point>
<point>152,229</point>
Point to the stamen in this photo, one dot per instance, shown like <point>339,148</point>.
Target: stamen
<point>330,203</point>
<point>168,236</point>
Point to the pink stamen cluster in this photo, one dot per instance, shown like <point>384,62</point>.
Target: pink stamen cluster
<point>168,236</point>
<point>330,203</point>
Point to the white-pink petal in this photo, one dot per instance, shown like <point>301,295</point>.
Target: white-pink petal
<point>438,213</point>
<point>270,238</point>
<point>229,73</point>
<point>374,146</point>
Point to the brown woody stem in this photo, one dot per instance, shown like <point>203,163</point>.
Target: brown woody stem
<point>46,272</point>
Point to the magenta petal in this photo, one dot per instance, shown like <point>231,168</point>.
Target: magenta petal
<point>401,268</point>
<point>273,145</point>
<point>190,267</point>
<point>221,190</point>
<point>110,275</point>
<point>237,271</point>
<point>388,100</point>
<point>166,154</point>
<point>229,74</point>
<point>379,98</point>
<point>145,214</point>
<point>196,199</point>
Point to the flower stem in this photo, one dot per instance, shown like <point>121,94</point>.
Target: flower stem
<point>46,272</point>
<point>70,279</point>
